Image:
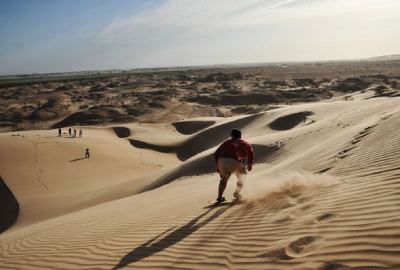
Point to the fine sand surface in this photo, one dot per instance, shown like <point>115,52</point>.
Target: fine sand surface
<point>323,194</point>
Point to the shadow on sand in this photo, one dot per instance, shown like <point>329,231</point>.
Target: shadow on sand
<point>152,246</point>
<point>77,159</point>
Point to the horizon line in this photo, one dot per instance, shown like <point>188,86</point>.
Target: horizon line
<point>221,65</point>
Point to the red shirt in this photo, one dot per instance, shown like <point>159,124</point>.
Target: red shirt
<point>235,148</point>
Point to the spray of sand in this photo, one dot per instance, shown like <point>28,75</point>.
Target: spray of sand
<point>286,188</point>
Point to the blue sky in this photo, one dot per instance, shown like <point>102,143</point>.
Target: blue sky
<point>72,35</point>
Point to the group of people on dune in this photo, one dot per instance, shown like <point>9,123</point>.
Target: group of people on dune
<point>87,153</point>
<point>70,133</point>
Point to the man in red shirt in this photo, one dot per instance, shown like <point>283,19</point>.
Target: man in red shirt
<point>230,158</point>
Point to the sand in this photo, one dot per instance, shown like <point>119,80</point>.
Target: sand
<point>323,193</point>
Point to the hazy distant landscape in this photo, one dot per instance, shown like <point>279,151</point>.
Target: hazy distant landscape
<point>167,95</point>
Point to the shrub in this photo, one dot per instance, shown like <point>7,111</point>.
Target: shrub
<point>379,90</point>
<point>347,98</point>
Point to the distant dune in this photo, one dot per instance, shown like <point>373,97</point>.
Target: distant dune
<point>386,57</point>
<point>167,96</point>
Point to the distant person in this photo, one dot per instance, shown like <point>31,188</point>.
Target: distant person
<point>74,133</point>
<point>70,132</point>
<point>80,133</point>
<point>230,157</point>
<point>59,132</point>
<point>87,154</point>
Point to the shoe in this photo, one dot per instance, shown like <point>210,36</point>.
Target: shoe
<point>220,199</point>
<point>237,195</point>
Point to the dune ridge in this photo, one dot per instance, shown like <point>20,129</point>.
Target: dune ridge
<point>322,195</point>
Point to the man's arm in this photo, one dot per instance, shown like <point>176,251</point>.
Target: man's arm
<point>250,158</point>
<point>216,157</point>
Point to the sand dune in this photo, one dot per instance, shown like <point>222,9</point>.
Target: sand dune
<point>50,176</point>
<point>322,195</point>
<point>9,207</point>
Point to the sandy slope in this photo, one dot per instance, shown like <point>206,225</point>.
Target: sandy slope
<point>323,194</point>
<point>50,176</point>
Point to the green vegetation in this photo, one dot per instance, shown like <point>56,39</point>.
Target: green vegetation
<point>6,81</point>
<point>379,90</point>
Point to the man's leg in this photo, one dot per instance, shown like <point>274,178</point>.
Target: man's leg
<point>222,187</point>
<point>241,175</point>
<point>239,186</point>
<point>225,174</point>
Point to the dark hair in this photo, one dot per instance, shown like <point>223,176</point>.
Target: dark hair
<point>236,133</point>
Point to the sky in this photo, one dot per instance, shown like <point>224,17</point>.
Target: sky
<point>42,36</point>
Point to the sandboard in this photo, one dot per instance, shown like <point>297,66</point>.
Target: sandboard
<point>230,201</point>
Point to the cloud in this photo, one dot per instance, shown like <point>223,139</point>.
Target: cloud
<point>202,32</point>
<point>184,20</point>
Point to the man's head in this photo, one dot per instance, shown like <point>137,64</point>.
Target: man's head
<point>235,133</point>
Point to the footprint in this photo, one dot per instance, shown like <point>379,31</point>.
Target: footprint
<point>322,266</point>
<point>324,217</point>
<point>281,218</point>
<point>304,199</point>
<point>276,255</point>
<point>360,136</point>
<point>355,141</point>
<point>347,150</point>
<point>303,246</point>
<point>299,248</point>
<point>302,211</point>
<point>324,170</point>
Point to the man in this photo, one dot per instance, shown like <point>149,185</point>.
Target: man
<point>230,158</point>
<point>87,154</point>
